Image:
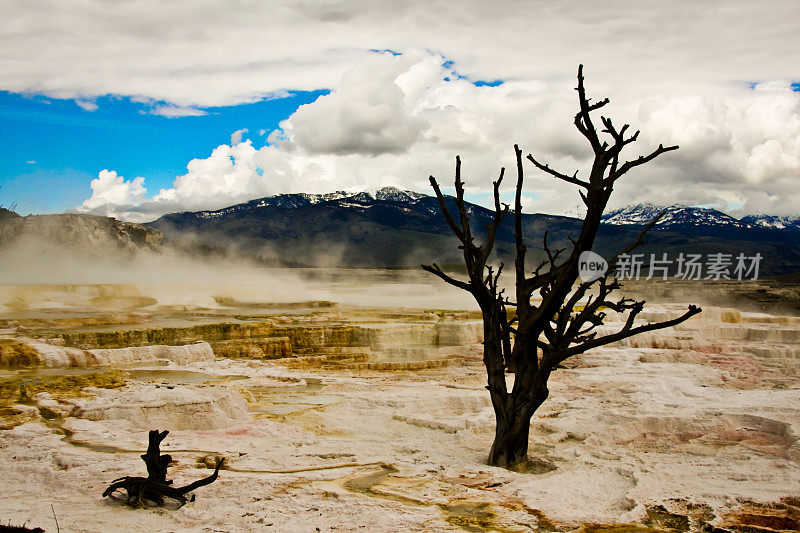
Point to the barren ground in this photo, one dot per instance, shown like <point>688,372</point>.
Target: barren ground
<point>333,416</point>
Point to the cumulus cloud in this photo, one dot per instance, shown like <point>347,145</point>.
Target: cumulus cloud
<point>393,120</point>
<point>734,146</point>
<point>113,195</point>
<point>369,113</point>
<point>230,174</point>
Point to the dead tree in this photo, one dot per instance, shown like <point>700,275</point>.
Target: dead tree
<point>155,487</point>
<point>549,326</point>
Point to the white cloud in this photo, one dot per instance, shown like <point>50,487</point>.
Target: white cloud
<point>112,195</point>
<point>225,52</point>
<point>229,175</point>
<point>31,162</point>
<point>395,119</point>
<point>173,111</point>
<point>369,113</point>
<point>734,145</point>
<point>236,136</point>
<point>680,71</point>
<point>86,105</point>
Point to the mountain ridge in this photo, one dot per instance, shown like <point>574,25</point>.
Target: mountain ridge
<point>681,214</point>
<point>391,227</point>
<point>90,235</point>
<point>632,214</point>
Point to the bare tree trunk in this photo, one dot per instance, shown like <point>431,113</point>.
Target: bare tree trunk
<point>564,319</point>
<point>510,446</point>
<point>511,433</point>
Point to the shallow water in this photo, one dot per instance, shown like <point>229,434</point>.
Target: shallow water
<point>137,372</point>
<point>280,401</point>
<point>166,375</point>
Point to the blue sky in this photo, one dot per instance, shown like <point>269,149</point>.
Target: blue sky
<point>56,147</point>
<point>385,93</point>
<point>53,148</point>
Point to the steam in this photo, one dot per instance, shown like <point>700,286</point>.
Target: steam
<point>41,275</point>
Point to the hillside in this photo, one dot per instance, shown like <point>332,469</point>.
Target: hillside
<point>88,235</point>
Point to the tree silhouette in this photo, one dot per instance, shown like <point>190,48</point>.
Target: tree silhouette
<point>562,320</point>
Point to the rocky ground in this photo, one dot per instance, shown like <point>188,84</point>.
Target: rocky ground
<point>345,418</point>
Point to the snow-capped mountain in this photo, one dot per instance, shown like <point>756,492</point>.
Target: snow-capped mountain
<point>297,200</point>
<point>393,194</point>
<point>683,216</point>
<point>675,215</point>
<point>772,221</point>
<point>393,227</point>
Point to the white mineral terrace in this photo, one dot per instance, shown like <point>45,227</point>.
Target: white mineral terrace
<point>377,419</point>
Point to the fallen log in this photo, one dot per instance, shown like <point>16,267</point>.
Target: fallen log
<point>155,487</point>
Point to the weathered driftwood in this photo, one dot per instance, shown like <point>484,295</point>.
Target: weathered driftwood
<point>155,487</point>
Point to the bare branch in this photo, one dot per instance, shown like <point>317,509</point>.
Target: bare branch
<point>566,309</point>
<point>434,269</point>
<point>519,260</point>
<point>582,119</point>
<point>619,136</point>
<point>551,257</point>
<point>462,208</point>
<point>624,333</point>
<point>497,278</point>
<point>641,160</point>
<point>445,211</point>
<point>499,214</point>
<point>569,179</point>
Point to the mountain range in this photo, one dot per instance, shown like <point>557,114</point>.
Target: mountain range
<point>395,228</point>
<point>679,215</point>
<point>392,227</point>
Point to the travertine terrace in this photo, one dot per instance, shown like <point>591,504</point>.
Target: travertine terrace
<point>337,416</point>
